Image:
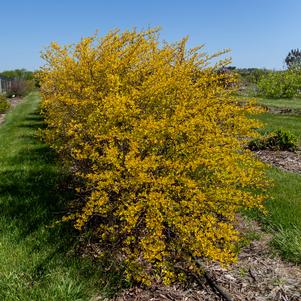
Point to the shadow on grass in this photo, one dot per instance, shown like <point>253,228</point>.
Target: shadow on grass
<point>33,120</point>
<point>34,191</point>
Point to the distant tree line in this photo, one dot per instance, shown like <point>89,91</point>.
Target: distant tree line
<point>272,83</point>
<point>17,74</point>
<point>17,82</point>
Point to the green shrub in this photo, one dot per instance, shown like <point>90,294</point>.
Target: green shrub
<point>4,104</point>
<point>280,84</point>
<point>279,140</point>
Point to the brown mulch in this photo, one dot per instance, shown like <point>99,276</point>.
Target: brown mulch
<point>13,103</point>
<point>259,275</point>
<point>285,160</point>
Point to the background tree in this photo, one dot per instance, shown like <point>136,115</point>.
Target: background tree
<point>293,59</point>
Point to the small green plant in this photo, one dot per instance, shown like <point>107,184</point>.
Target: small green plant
<point>279,140</point>
<point>4,104</point>
<point>246,238</point>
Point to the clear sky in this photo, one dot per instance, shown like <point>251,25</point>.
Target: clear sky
<point>259,32</point>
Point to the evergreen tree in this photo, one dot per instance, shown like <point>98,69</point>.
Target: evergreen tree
<point>293,59</point>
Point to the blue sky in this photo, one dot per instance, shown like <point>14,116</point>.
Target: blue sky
<point>259,32</point>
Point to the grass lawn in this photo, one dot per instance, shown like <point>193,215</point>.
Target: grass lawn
<point>290,123</point>
<point>294,103</point>
<point>284,218</point>
<point>36,262</point>
<point>284,214</point>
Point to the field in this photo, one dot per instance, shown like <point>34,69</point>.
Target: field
<point>284,218</point>
<point>33,261</point>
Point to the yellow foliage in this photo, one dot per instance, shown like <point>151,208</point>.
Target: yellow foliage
<point>158,140</point>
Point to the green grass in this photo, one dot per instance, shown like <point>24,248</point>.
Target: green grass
<point>294,103</point>
<point>284,206</point>
<point>37,262</point>
<point>284,213</point>
<point>289,123</point>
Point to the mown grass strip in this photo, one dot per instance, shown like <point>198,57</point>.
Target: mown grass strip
<point>35,259</point>
<point>283,218</point>
<point>274,122</point>
<point>294,103</point>
<point>284,206</point>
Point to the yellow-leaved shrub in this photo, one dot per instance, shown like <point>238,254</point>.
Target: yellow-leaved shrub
<point>157,139</point>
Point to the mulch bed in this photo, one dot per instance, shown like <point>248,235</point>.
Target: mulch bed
<point>259,275</point>
<point>285,111</point>
<point>284,160</point>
